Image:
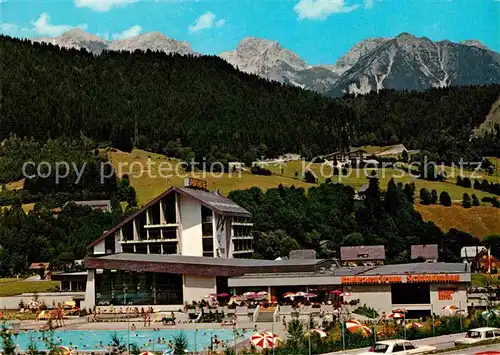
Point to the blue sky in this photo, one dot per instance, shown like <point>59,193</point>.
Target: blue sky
<point>318,30</point>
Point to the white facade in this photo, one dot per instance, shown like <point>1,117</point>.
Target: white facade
<point>196,288</point>
<point>181,224</point>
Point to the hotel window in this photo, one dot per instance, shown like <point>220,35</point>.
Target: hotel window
<point>154,249</point>
<point>169,248</point>
<point>169,232</point>
<point>128,231</point>
<point>140,223</point>
<point>169,209</point>
<point>206,222</point>
<point>406,293</point>
<point>154,233</point>
<point>154,214</point>
<point>109,244</point>
<point>141,249</point>
<point>127,248</point>
<point>208,247</point>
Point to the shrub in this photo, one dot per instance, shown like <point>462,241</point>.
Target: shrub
<point>466,201</point>
<point>445,199</point>
<point>257,170</point>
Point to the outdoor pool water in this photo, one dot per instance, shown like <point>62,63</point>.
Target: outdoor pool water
<point>99,340</point>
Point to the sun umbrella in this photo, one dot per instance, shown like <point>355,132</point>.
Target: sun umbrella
<point>289,295</point>
<point>344,294</point>
<point>396,315</point>
<point>336,292</point>
<point>65,350</point>
<point>311,295</point>
<point>353,326</point>
<point>147,353</point>
<point>265,340</point>
<point>249,294</point>
<point>414,325</point>
<point>321,333</point>
<point>301,294</point>
<point>451,308</point>
<point>398,310</point>
<point>224,295</point>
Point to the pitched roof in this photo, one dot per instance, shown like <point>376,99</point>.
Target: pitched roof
<point>363,252</point>
<point>216,202</point>
<point>425,251</point>
<point>470,252</point>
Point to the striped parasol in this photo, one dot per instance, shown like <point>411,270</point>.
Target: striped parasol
<point>345,294</point>
<point>396,315</point>
<point>265,340</point>
<point>353,326</point>
<point>321,333</point>
<point>147,353</point>
<point>336,292</point>
<point>289,295</point>
<point>414,325</point>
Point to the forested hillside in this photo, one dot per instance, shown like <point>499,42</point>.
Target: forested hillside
<point>197,102</point>
<point>188,106</point>
<point>327,217</point>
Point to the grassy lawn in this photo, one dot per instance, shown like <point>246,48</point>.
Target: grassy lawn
<point>12,287</point>
<point>479,221</point>
<point>481,280</point>
<point>149,186</point>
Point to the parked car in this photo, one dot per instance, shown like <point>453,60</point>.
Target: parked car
<point>479,334</point>
<point>397,346</point>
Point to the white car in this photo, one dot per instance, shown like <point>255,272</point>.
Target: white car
<point>397,346</point>
<point>479,334</point>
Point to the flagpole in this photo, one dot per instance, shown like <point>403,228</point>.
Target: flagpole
<point>309,333</point>
<point>432,313</point>
<point>342,324</point>
<point>404,321</point>
<point>460,310</point>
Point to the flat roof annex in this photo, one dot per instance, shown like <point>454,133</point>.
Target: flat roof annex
<point>196,265</point>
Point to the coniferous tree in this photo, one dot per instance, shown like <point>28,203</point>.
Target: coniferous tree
<point>475,201</point>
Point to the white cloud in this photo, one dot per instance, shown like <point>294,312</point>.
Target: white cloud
<point>129,32</point>
<point>369,4</point>
<point>102,5</point>
<point>42,26</point>
<point>8,28</point>
<point>321,9</point>
<point>206,21</point>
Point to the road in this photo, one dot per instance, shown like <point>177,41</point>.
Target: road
<point>440,342</point>
<point>472,351</point>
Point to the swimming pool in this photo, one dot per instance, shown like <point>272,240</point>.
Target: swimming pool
<point>99,340</point>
